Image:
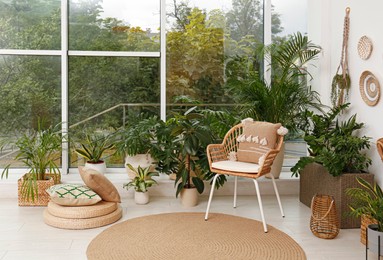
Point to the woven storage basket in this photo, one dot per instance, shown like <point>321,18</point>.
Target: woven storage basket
<point>324,221</point>
<point>365,221</point>
<point>42,197</point>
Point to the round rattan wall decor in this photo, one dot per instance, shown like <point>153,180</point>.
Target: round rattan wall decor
<point>369,88</point>
<point>364,47</point>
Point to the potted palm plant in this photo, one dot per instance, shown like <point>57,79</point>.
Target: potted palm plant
<point>190,137</point>
<point>368,201</point>
<point>92,148</point>
<point>285,98</point>
<point>337,157</point>
<point>38,150</point>
<point>141,182</point>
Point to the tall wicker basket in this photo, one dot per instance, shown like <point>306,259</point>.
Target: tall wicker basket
<point>324,221</point>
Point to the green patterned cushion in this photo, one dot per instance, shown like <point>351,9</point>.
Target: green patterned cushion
<point>73,195</point>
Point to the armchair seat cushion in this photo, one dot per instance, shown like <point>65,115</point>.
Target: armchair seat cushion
<point>236,166</point>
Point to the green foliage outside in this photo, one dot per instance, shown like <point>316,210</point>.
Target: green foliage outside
<point>204,50</point>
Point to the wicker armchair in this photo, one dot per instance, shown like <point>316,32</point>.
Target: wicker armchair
<point>220,153</point>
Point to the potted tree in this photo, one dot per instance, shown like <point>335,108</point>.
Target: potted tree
<point>337,157</point>
<point>92,148</point>
<point>368,201</point>
<point>38,150</point>
<point>287,95</point>
<point>135,142</point>
<point>190,137</point>
<point>141,182</point>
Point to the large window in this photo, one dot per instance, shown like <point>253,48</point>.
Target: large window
<point>104,64</point>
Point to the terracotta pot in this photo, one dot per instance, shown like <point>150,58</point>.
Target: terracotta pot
<point>100,166</point>
<point>141,198</point>
<point>189,197</point>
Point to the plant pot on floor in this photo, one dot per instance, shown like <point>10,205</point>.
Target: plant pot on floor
<point>99,167</point>
<point>373,236</point>
<point>42,197</point>
<point>189,197</point>
<point>141,198</point>
<point>315,179</point>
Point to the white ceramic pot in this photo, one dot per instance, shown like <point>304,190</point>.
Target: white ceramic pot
<point>189,197</point>
<point>142,160</point>
<point>373,239</point>
<point>100,167</point>
<point>276,168</point>
<point>141,198</point>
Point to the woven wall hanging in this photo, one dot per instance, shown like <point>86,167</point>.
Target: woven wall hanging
<point>369,88</point>
<point>341,81</point>
<point>364,47</point>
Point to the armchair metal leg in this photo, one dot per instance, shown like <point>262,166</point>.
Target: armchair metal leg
<point>235,191</point>
<point>211,196</point>
<point>277,194</point>
<point>260,204</point>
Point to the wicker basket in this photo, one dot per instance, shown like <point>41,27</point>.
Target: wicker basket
<point>42,197</point>
<point>324,221</point>
<point>365,221</point>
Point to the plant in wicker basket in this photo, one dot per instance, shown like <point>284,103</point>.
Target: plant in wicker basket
<point>38,150</point>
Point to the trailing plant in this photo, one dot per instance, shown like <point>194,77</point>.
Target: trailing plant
<point>143,179</point>
<point>334,144</point>
<point>93,145</point>
<point>367,200</point>
<point>38,150</point>
<point>288,95</point>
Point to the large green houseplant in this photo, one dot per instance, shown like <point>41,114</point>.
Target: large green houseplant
<point>337,157</point>
<point>190,137</point>
<point>287,94</point>
<point>38,149</point>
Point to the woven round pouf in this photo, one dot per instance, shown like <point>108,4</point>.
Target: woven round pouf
<point>102,208</point>
<point>82,223</point>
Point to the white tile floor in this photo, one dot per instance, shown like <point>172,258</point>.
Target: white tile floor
<point>23,234</point>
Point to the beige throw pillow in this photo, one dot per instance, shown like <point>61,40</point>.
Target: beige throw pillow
<point>100,184</point>
<point>73,195</point>
<point>264,137</point>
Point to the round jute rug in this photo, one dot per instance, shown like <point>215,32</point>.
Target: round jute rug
<point>189,236</point>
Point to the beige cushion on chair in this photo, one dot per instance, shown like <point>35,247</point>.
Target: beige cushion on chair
<point>266,135</point>
<point>100,184</point>
<point>235,166</point>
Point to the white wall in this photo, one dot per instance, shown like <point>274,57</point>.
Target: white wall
<point>325,27</point>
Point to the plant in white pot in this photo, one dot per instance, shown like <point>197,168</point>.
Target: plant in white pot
<point>39,150</point>
<point>92,148</point>
<point>368,200</point>
<point>141,182</point>
<point>191,136</point>
<point>135,142</point>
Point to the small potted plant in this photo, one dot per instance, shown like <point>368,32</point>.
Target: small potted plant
<point>141,183</point>
<point>92,148</point>
<point>39,150</point>
<point>368,201</point>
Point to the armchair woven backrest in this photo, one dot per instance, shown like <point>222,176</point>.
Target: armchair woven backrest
<point>220,152</point>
